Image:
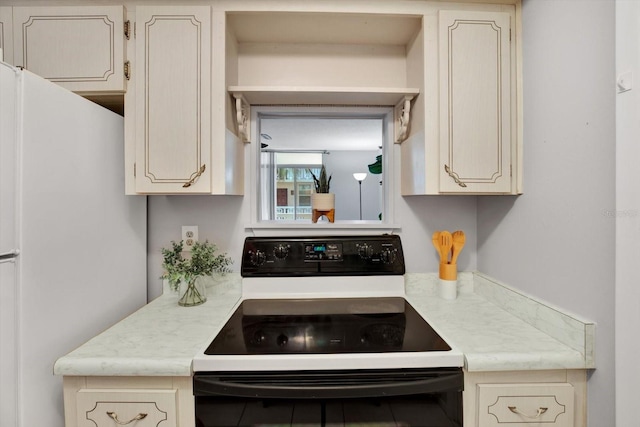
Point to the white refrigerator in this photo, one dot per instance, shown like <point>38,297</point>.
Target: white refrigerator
<point>72,245</point>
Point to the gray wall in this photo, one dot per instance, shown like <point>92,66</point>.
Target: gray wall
<point>222,220</point>
<point>627,215</point>
<point>557,240</point>
<point>341,165</point>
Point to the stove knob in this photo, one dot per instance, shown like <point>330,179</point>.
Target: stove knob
<point>388,255</point>
<point>257,258</point>
<point>282,340</point>
<point>281,251</point>
<point>365,251</point>
<point>259,337</point>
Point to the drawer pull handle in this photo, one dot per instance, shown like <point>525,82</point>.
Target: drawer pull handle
<point>533,417</point>
<point>114,417</point>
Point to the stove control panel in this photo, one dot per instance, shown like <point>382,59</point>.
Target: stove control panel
<point>322,256</point>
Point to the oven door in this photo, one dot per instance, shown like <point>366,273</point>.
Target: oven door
<point>381,398</point>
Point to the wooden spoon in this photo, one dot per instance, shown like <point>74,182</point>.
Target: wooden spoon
<point>446,242</point>
<point>458,243</point>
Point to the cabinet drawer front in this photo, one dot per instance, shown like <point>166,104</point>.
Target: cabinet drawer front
<point>139,408</point>
<point>548,404</point>
<point>80,48</point>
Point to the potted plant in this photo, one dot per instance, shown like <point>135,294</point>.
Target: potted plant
<point>322,201</point>
<point>183,272</point>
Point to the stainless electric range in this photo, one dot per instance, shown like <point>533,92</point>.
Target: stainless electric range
<point>324,320</point>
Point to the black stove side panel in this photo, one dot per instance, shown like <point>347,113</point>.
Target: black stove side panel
<point>322,256</point>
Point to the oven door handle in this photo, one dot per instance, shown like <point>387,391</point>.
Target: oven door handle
<point>319,386</point>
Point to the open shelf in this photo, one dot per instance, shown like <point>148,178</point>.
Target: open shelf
<point>296,95</point>
<point>316,27</point>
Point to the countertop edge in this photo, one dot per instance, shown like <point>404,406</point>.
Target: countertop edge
<point>123,367</point>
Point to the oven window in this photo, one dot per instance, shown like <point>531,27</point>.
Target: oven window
<point>382,398</point>
<point>429,410</point>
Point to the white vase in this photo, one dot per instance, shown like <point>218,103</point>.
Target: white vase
<point>323,201</point>
<point>323,204</point>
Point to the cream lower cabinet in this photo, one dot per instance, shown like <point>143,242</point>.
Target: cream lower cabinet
<point>142,408</point>
<point>525,399</point>
<point>136,401</point>
<point>78,47</point>
<point>522,404</point>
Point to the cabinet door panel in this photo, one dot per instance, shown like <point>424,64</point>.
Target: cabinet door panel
<point>6,34</point>
<point>80,48</point>
<point>475,99</point>
<point>526,404</point>
<point>110,408</point>
<point>173,107</point>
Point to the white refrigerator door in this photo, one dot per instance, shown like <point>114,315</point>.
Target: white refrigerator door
<point>82,242</point>
<point>8,344</point>
<point>8,159</point>
<point>8,289</point>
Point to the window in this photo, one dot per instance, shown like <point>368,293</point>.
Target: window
<point>291,141</point>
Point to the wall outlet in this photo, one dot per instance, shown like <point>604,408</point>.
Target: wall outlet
<point>189,237</point>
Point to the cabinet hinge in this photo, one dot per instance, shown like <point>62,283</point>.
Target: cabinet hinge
<point>127,27</point>
<point>127,70</point>
<point>134,170</point>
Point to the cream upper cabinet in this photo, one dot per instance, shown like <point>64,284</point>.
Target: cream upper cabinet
<point>172,74</point>
<point>470,142</point>
<point>475,102</point>
<point>6,35</point>
<point>181,143</point>
<point>81,48</point>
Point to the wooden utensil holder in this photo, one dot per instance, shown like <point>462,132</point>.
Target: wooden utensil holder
<point>448,271</point>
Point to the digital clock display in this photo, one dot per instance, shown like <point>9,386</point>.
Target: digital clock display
<point>323,252</point>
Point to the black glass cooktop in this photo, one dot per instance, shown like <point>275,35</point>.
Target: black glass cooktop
<point>321,326</point>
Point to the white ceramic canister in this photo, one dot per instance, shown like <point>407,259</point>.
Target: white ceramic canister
<point>448,289</point>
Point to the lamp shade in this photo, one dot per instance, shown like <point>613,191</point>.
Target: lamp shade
<point>360,176</point>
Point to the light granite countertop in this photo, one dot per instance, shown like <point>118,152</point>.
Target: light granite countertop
<point>160,339</point>
<point>495,338</point>
<point>496,327</point>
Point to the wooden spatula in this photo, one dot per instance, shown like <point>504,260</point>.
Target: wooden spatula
<point>446,242</point>
<point>458,239</point>
<point>436,243</point>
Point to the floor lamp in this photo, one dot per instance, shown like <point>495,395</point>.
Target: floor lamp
<point>360,176</point>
